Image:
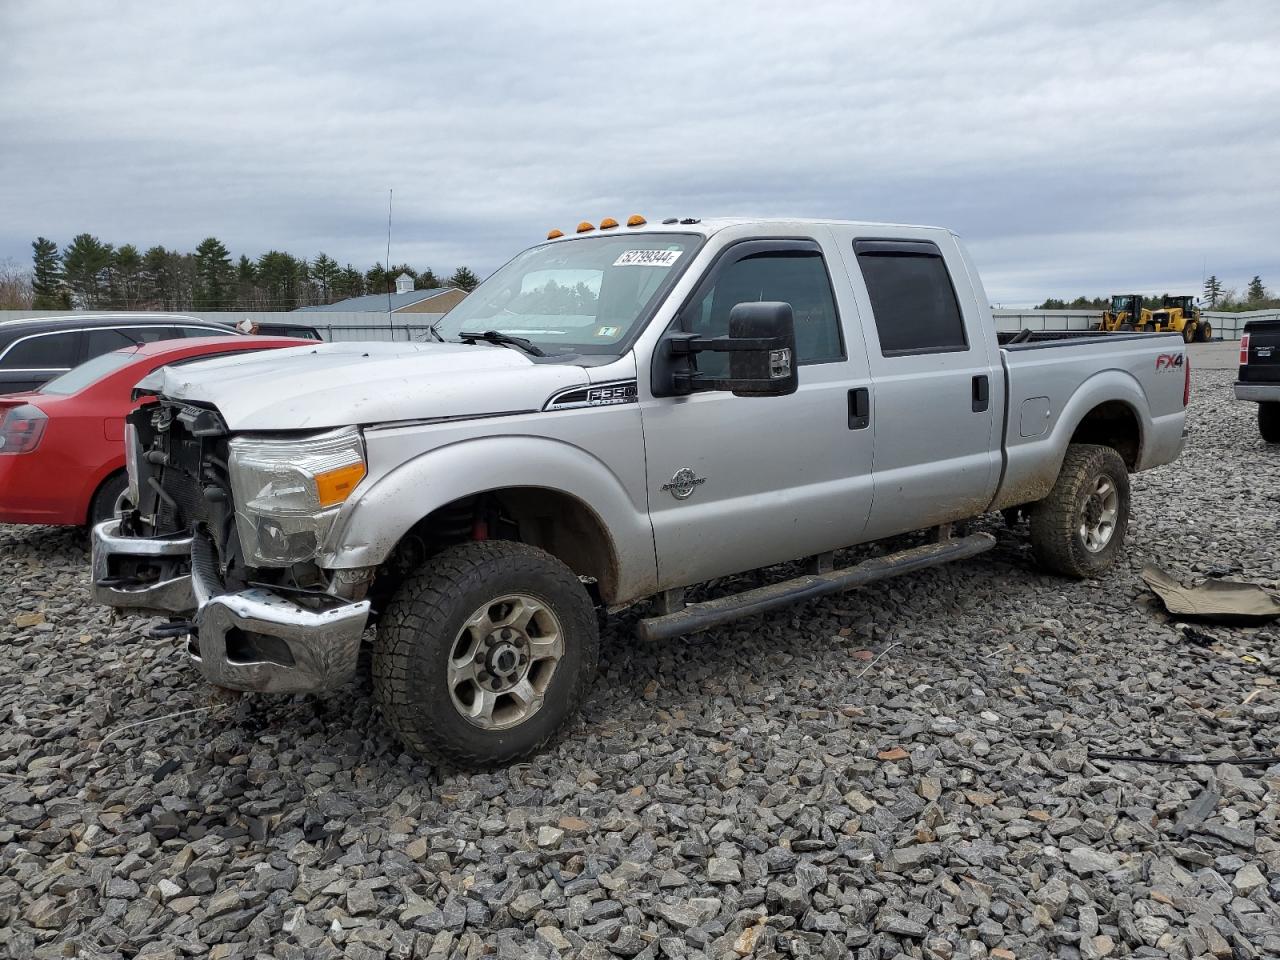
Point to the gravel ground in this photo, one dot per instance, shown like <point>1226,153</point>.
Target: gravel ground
<point>899,772</point>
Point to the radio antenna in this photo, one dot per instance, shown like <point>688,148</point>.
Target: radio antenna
<point>390,194</point>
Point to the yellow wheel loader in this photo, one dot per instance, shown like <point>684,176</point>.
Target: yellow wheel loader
<point>1125,313</point>
<point>1179,315</point>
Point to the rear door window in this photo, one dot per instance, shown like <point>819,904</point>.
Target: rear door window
<point>43,351</point>
<point>914,303</point>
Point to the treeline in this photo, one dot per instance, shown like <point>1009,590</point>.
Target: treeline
<point>1215,297</point>
<point>90,274</point>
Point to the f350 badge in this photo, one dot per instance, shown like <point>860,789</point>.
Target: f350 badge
<point>684,483</point>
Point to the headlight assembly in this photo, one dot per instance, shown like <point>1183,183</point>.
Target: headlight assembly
<point>287,492</point>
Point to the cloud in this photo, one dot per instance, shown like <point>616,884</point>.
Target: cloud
<point>1079,148</point>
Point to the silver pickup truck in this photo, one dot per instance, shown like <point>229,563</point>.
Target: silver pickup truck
<point>613,416</point>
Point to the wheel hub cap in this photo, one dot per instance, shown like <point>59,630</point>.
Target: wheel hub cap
<point>1098,514</point>
<point>502,661</point>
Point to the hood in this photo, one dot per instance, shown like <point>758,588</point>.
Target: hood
<point>345,384</point>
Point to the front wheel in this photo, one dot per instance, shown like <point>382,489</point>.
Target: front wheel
<point>1079,528</point>
<point>484,653</point>
<point>1269,421</point>
<point>1190,333</point>
<point>1126,327</point>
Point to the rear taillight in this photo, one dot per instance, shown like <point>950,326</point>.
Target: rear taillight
<point>21,429</point>
<point>1244,350</point>
<point>1186,380</point>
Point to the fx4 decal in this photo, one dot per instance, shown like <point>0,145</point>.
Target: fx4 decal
<point>1169,361</point>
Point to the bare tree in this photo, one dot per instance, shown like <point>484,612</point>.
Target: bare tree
<point>15,286</point>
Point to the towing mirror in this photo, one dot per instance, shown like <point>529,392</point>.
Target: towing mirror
<point>763,361</point>
<point>762,355</point>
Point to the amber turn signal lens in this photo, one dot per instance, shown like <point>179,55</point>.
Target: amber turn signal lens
<point>555,233</point>
<point>608,223</point>
<point>635,220</point>
<point>335,486</point>
<point>584,227</point>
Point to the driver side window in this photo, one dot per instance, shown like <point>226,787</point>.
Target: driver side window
<point>797,278</point>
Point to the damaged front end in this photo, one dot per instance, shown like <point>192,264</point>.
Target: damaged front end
<point>265,618</point>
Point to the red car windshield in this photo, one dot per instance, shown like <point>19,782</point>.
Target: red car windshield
<point>91,371</point>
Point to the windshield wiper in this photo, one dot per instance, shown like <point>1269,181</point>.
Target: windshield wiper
<point>494,336</point>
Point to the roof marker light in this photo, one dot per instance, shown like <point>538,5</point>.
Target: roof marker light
<point>635,220</point>
<point>553,234</point>
<point>608,223</point>
<point>585,227</point>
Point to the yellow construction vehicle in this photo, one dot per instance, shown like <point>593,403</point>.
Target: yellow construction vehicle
<point>1177,315</point>
<point>1125,313</point>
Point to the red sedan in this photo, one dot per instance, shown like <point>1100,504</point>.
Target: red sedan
<point>61,446</point>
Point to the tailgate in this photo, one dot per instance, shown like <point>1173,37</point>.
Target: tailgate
<point>1260,354</point>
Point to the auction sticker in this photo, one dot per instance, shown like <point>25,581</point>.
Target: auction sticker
<point>647,258</point>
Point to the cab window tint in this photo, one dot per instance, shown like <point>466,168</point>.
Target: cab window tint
<point>914,304</point>
<point>794,277</point>
<point>43,351</point>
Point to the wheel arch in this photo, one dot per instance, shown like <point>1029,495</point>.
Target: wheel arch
<point>1114,424</point>
<point>561,499</point>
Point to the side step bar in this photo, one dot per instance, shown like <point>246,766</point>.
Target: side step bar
<point>713,613</point>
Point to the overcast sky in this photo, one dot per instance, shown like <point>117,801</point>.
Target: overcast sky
<point>1087,147</point>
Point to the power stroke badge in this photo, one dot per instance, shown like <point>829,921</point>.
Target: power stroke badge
<point>682,485</point>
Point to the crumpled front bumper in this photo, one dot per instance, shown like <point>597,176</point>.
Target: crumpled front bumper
<point>256,639</point>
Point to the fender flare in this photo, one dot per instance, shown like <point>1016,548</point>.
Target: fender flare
<point>373,521</point>
<point>1105,386</point>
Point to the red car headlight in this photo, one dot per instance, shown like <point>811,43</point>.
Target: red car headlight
<point>21,429</point>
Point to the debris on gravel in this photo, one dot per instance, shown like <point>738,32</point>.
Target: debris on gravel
<point>901,771</point>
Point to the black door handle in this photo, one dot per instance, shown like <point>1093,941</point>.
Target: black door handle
<point>981,393</point>
<point>859,408</point>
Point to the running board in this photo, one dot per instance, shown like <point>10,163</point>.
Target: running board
<point>695,617</point>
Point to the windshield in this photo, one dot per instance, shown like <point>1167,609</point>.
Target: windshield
<point>91,371</point>
<point>1120,303</point>
<point>575,296</point>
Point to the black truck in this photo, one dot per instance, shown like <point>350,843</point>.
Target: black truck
<point>1259,379</point>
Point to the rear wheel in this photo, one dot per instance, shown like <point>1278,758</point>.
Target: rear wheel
<point>1144,328</point>
<point>1204,332</point>
<point>109,498</point>
<point>485,653</point>
<point>1269,421</point>
<point>1079,528</point>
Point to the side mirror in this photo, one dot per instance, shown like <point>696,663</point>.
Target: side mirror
<point>763,363</point>
<point>762,355</point>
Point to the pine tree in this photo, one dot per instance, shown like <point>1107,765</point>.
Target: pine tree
<point>463,279</point>
<point>246,284</point>
<point>426,280</point>
<point>86,265</point>
<point>213,281</point>
<point>278,280</point>
<point>1256,292</point>
<point>324,271</point>
<point>1212,291</point>
<point>126,276</point>
<point>157,279</point>
<point>349,283</point>
<point>46,284</point>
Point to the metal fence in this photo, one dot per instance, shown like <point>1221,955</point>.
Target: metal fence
<point>348,326</point>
